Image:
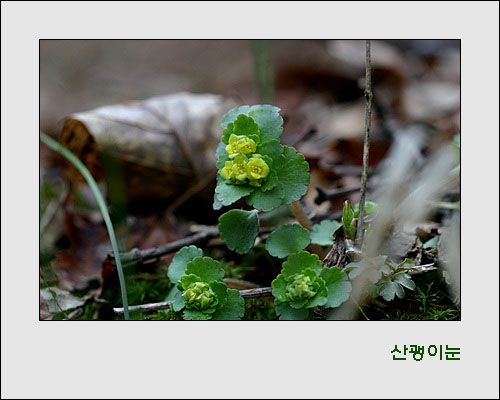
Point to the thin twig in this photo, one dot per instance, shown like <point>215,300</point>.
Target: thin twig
<point>361,310</point>
<point>137,256</point>
<point>366,147</point>
<point>162,305</point>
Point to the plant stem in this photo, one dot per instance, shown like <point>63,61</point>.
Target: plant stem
<point>301,215</point>
<point>366,147</point>
<point>51,143</point>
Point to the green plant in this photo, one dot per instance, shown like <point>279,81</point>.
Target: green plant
<point>201,292</point>
<point>304,284</point>
<point>348,220</point>
<point>388,278</point>
<point>253,165</point>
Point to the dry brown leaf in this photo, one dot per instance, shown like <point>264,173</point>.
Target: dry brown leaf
<point>163,144</point>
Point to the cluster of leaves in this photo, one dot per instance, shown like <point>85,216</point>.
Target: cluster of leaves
<point>388,278</point>
<point>257,130</point>
<point>201,293</point>
<point>304,284</point>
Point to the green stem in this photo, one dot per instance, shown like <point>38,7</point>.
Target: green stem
<point>51,143</point>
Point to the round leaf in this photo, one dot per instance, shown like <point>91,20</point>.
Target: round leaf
<point>266,201</point>
<point>238,229</point>
<point>232,309</point>
<point>339,288</point>
<point>322,234</point>
<point>292,174</point>
<point>206,268</point>
<point>288,313</point>
<point>287,239</point>
<point>178,265</point>
<point>296,263</point>
<point>227,194</point>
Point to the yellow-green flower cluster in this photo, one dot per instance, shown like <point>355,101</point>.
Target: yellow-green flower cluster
<point>245,165</point>
<point>240,144</point>
<point>300,287</point>
<point>199,296</point>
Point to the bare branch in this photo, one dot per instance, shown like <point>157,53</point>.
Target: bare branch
<point>366,147</point>
<point>136,255</point>
<point>162,305</point>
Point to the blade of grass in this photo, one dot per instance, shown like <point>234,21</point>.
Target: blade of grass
<point>52,144</point>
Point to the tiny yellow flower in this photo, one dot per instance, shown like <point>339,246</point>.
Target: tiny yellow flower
<point>240,144</point>
<point>227,171</point>
<point>257,168</point>
<point>239,169</point>
<point>246,145</point>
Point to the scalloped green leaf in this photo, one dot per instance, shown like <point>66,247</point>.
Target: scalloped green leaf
<point>339,288</point>
<point>232,309</point>
<point>231,115</point>
<point>206,268</point>
<point>221,151</point>
<point>220,290</point>
<point>179,263</point>
<point>195,315</point>
<point>269,121</point>
<point>287,239</point>
<point>178,302</point>
<point>273,149</point>
<point>296,263</point>
<point>227,194</point>
<point>322,234</point>
<point>187,280</point>
<point>267,118</point>
<point>245,125</point>
<point>266,201</point>
<point>287,313</point>
<point>238,229</point>
<point>279,288</point>
<point>293,175</point>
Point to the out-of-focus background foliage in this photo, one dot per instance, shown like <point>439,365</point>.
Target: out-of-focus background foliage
<point>153,158</point>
